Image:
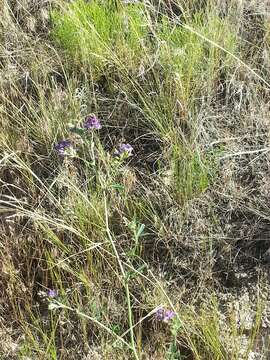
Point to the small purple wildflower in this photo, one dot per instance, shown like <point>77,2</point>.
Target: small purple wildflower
<point>124,149</point>
<point>62,147</point>
<point>92,122</point>
<point>165,315</point>
<point>52,293</point>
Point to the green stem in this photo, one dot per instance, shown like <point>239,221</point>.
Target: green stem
<point>131,327</point>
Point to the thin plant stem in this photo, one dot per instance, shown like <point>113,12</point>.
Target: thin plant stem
<point>125,280</point>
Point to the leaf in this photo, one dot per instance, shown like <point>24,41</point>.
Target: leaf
<point>53,306</point>
<point>133,274</point>
<point>77,130</point>
<point>140,231</point>
<point>117,186</point>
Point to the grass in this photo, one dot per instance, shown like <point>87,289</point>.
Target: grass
<point>181,225</point>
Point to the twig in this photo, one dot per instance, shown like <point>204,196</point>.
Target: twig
<point>248,152</point>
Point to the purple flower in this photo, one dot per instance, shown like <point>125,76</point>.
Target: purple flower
<point>124,149</point>
<point>62,147</point>
<point>52,293</point>
<point>92,122</point>
<point>164,314</point>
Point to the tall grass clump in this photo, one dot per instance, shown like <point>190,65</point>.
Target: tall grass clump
<point>101,35</point>
<point>190,59</point>
<point>173,65</point>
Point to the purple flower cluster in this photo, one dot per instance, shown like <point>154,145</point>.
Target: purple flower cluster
<point>92,122</point>
<point>52,293</point>
<point>125,149</point>
<point>66,147</point>
<point>164,315</point>
<point>62,147</point>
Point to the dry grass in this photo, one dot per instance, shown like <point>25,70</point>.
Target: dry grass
<point>182,224</point>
